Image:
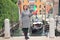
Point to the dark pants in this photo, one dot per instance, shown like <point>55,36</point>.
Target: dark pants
<point>25,31</point>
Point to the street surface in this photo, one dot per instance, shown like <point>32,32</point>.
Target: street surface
<point>31,38</point>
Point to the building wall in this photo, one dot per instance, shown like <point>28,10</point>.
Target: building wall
<point>43,5</point>
<point>37,3</point>
<point>55,6</point>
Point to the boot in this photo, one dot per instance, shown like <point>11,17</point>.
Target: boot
<point>26,36</point>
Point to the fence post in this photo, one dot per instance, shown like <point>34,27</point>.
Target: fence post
<point>52,28</point>
<point>7,28</point>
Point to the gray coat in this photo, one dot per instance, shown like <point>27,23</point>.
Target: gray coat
<point>25,17</point>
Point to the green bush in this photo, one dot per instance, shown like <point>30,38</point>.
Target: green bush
<point>8,9</point>
<point>14,1</point>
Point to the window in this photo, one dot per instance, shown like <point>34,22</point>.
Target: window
<point>31,6</point>
<point>44,6</point>
<point>40,10</point>
<point>40,6</point>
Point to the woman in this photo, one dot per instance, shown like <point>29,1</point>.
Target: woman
<point>25,16</point>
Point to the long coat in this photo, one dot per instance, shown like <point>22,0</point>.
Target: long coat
<point>25,17</point>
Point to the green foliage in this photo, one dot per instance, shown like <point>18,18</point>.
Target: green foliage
<point>14,1</point>
<point>8,9</point>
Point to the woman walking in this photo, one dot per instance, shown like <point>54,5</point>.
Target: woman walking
<point>25,17</point>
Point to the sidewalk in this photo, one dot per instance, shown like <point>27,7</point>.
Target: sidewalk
<point>32,38</point>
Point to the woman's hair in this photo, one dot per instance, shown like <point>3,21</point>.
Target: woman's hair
<point>26,6</point>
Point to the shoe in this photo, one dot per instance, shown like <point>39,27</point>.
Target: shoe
<point>26,37</point>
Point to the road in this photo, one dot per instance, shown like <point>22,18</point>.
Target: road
<point>31,38</point>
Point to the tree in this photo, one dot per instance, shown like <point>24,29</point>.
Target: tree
<point>8,9</point>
